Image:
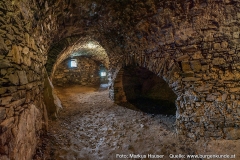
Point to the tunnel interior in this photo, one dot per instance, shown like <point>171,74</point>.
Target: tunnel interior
<point>77,70</point>
<point>193,44</point>
<point>84,63</point>
<point>147,92</point>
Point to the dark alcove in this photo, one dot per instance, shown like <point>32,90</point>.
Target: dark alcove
<point>147,92</point>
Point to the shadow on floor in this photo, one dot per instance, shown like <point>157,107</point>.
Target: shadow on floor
<point>151,106</point>
<point>103,87</point>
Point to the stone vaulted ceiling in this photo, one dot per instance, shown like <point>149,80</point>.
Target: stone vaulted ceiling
<point>81,47</point>
<point>192,44</point>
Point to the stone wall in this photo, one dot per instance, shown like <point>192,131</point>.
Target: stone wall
<point>22,58</point>
<point>51,100</point>
<point>87,72</point>
<point>197,55</point>
<point>193,45</point>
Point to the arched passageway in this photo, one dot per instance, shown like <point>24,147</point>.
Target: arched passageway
<point>74,61</point>
<point>146,91</point>
<point>80,48</point>
<point>192,44</point>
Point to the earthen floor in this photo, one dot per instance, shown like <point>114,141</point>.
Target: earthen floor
<point>91,127</point>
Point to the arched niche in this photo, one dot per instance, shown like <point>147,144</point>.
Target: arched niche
<point>144,91</point>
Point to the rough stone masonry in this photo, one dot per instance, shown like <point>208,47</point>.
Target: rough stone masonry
<point>192,44</point>
<point>86,73</point>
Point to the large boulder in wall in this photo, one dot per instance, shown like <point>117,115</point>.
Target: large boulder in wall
<point>51,100</point>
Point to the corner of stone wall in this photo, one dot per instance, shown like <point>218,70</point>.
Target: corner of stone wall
<point>51,100</point>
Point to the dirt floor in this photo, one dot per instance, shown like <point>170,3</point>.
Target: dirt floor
<point>91,127</point>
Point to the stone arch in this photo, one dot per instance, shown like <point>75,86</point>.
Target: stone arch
<point>201,38</point>
<point>75,47</point>
<point>138,88</point>
<point>201,107</point>
<point>165,68</point>
<point>59,52</point>
<point>56,49</point>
